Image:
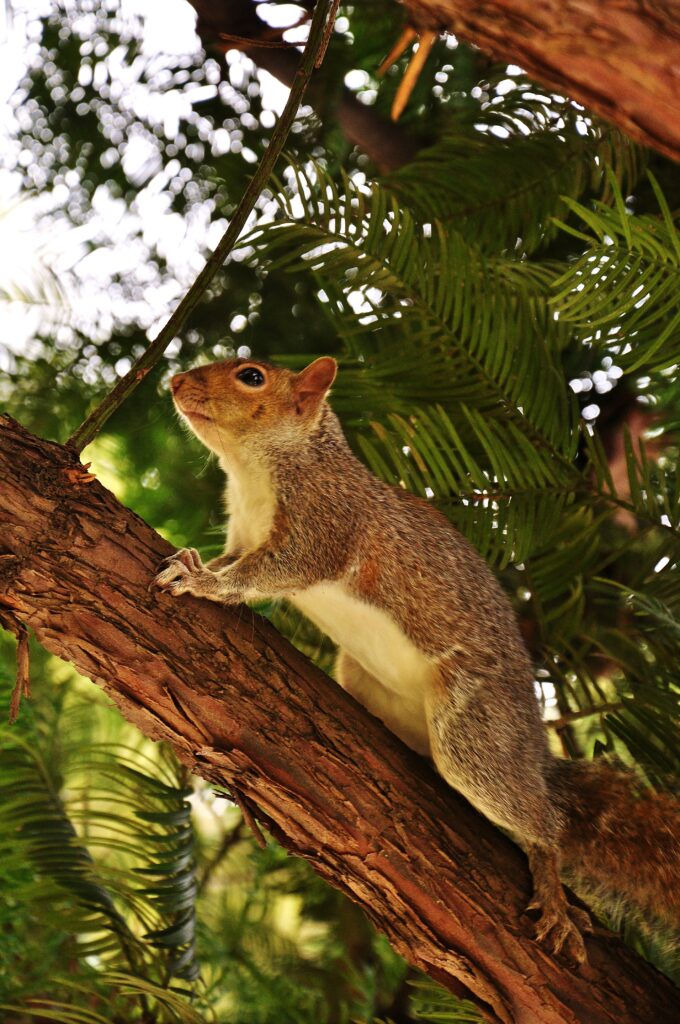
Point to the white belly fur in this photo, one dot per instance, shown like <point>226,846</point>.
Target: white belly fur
<point>251,505</point>
<point>369,635</point>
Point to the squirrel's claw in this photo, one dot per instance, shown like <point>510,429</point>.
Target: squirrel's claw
<point>184,573</point>
<point>187,556</point>
<point>177,568</point>
<point>190,558</point>
<point>582,920</point>
<point>173,571</point>
<point>560,930</point>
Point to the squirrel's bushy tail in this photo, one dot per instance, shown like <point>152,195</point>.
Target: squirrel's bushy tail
<point>621,841</point>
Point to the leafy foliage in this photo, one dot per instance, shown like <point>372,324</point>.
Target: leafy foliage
<point>632,266</point>
<point>550,157</point>
<point>97,842</point>
<point>485,320</point>
<point>105,872</point>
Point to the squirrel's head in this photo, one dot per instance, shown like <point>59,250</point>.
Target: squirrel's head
<point>246,407</point>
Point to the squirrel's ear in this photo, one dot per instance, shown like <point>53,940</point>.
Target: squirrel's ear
<point>313,382</point>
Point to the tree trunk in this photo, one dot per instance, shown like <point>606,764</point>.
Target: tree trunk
<point>619,58</point>
<point>244,709</point>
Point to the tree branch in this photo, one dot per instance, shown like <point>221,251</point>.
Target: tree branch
<point>387,144</point>
<point>619,58</point>
<point>243,708</point>
<point>574,716</point>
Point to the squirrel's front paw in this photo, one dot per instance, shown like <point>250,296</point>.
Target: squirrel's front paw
<point>184,573</point>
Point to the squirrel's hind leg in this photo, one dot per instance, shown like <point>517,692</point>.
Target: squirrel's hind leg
<point>405,718</point>
<point>497,757</point>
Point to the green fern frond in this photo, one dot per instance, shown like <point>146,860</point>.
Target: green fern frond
<point>115,991</point>
<point>651,740</point>
<point>433,1004</point>
<point>174,1003</point>
<point>653,492</point>
<point>556,573</point>
<point>125,883</point>
<point>642,641</point>
<point>486,319</point>
<point>622,294</point>
<point>458,179</point>
<point>501,491</point>
<point>52,1010</point>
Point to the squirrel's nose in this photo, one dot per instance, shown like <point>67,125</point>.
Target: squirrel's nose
<point>176,382</point>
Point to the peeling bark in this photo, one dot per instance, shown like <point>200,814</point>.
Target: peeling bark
<point>242,708</point>
<point>619,58</point>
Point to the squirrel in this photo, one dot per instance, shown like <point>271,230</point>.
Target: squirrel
<point>428,640</point>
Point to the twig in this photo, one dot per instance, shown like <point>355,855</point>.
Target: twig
<point>573,716</point>
<point>408,36</point>
<point>244,807</point>
<point>328,32</point>
<point>22,686</point>
<point>95,421</point>
<point>229,840</point>
<point>427,40</point>
<point>243,42</point>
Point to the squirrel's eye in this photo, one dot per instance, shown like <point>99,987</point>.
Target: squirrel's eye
<point>251,376</point>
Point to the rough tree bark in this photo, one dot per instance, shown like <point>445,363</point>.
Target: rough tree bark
<point>619,58</point>
<point>244,709</point>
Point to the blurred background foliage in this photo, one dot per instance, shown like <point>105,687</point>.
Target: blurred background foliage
<point>502,297</point>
